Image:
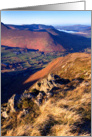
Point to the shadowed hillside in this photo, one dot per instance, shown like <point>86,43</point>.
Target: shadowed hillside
<point>43,38</point>
<point>31,27</point>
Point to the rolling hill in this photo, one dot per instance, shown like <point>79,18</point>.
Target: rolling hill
<point>31,27</point>
<point>67,64</point>
<point>78,29</point>
<point>42,37</point>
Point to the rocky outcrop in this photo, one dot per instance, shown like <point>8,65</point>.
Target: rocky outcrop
<point>40,98</point>
<point>11,106</point>
<point>40,92</point>
<point>48,83</point>
<point>26,95</point>
<point>47,86</point>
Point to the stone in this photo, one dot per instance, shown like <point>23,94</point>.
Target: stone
<point>40,97</point>
<point>4,114</point>
<point>49,94</point>
<point>12,102</point>
<point>26,95</point>
<point>46,87</point>
<point>51,77</point>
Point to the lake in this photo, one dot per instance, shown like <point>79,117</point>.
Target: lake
<point>67,31</point>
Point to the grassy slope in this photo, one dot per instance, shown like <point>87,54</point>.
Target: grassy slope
<point>66,67</point>
<point>68,113</point>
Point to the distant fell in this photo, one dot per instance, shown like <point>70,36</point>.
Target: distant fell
<point>31,27</point>
<point>43,38</point>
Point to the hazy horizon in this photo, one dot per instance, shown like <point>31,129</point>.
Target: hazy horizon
<point>64,18</point>
<point>49,24</point>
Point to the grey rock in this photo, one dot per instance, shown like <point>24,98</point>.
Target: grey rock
<point>26,95</point>
<point>12,102</point>
<point>40,97</point>
<point>51,77</point>
<point>4,114</point>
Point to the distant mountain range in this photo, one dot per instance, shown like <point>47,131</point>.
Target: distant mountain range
<point>75,27</point>
<point>42,37</point>
<point>85,29</point>
<point>31,27</point>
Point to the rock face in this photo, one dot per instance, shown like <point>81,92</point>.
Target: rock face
<point>46,87</point>
<point>41,92</point>
<point>40,98</point>
<point>12,102</point>
<point>11,106</point>
<point>48,83</point>
<point>26,95</point>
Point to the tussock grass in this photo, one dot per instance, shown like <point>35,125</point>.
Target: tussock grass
<point>67,113</point>
<point>60,116</point>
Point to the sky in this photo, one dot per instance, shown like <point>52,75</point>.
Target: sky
<point>46,17</point>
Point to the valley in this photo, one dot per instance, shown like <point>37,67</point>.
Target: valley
<point>83,30</point>
<point>46,39</point>
<point>45,80</point>
<point>17,64</point>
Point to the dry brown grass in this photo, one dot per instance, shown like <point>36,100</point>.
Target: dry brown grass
<point>58,118</point>
<point>68,113</point>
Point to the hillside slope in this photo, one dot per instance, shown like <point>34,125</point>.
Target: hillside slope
<point>64,66</point>
<point>47,39</point>
<point>58,104</point>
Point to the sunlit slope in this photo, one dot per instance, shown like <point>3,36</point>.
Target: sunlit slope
<point>47,40</point>
<point>71,66</point>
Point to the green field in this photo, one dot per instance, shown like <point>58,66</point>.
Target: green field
<point>20,59</point>
<point>17,65</point>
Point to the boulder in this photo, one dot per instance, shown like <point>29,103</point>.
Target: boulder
<point>12,102</point>
<point>51,77</point>
<point>40,97</point>
<point>26,95</point>
<point>46,86</point>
